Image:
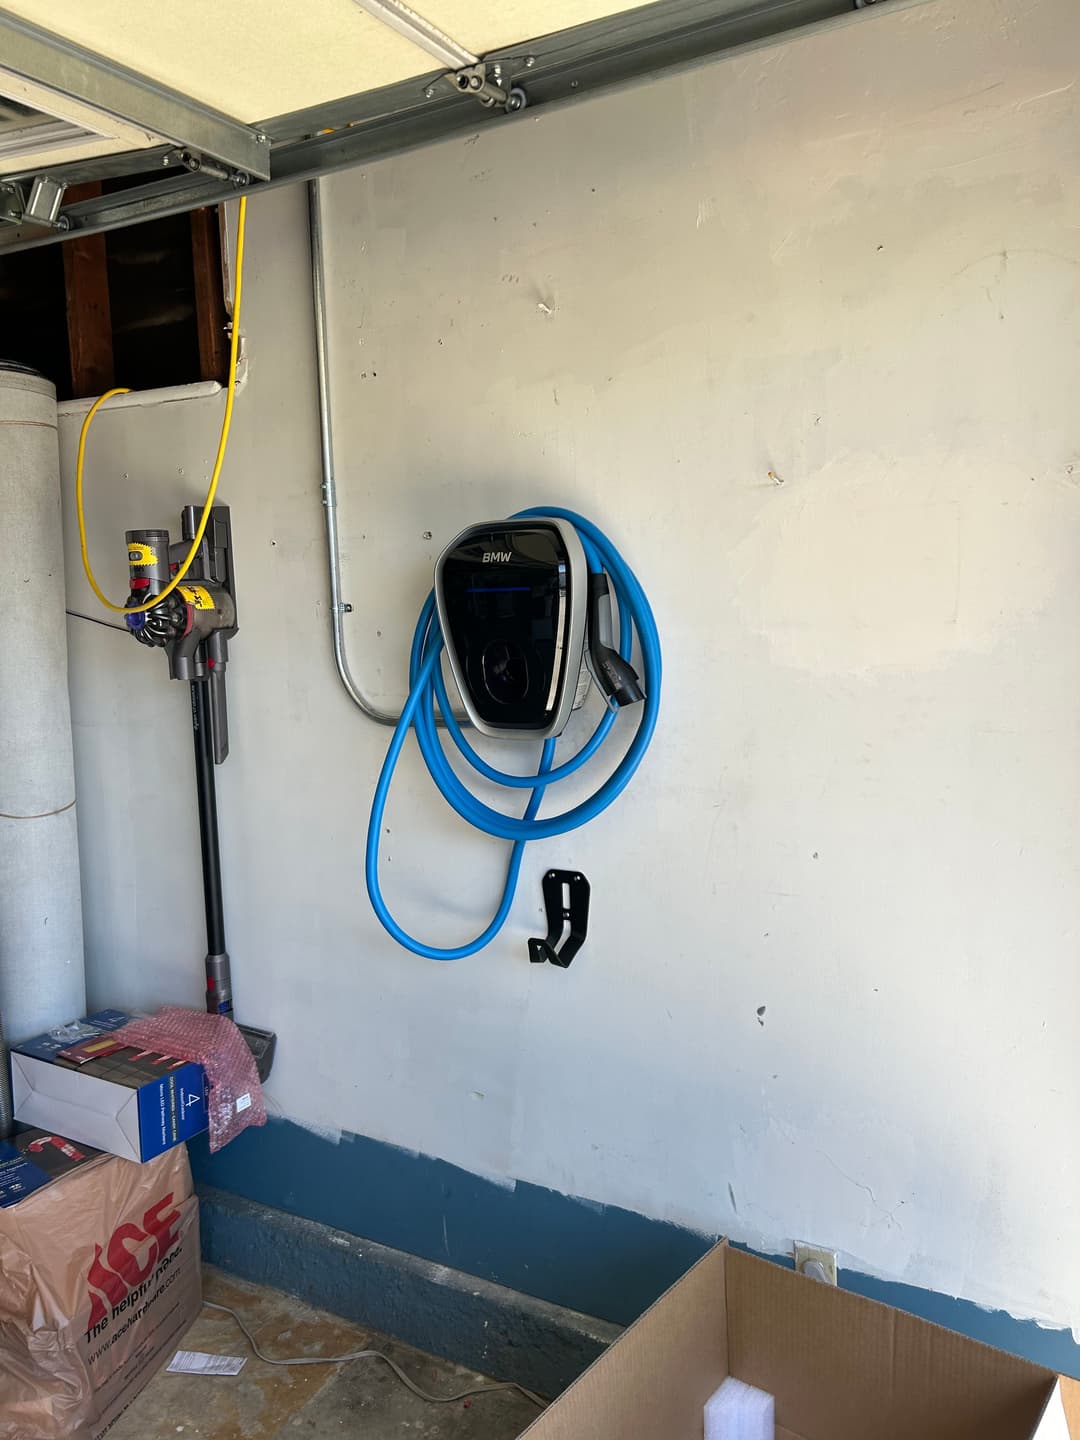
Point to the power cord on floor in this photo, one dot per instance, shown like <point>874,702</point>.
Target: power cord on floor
<point>376,1355</point>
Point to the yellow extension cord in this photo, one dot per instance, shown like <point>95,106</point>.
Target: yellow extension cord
<point>230,394</point>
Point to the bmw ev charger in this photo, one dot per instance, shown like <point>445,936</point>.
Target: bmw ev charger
<point>518,605</point>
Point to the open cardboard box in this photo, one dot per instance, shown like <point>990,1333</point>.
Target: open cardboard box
<point>840,1367</point>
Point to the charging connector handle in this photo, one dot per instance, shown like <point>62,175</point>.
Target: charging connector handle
<point>428,690</point>
<point>615,676</point>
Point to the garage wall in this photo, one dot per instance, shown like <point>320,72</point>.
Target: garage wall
<point>799,330</point>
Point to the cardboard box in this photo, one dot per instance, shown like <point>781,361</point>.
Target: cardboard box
<point>31,1159</point>
<point>840,1368</point>
<point>133,1103</point>
<point>100,1280</point>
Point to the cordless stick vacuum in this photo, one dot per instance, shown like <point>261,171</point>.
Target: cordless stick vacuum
<point>194,626</point>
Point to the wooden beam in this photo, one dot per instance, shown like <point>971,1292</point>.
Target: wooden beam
<point>89,321</point>
<point>209,297</point>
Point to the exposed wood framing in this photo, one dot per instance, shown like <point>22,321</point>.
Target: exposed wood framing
<point>86,283</point>
<point>209,300</point>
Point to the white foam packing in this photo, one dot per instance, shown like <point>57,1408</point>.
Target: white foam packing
<point>739,1412</point>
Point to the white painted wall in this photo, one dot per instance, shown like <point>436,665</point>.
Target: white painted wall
<point>850,261</point>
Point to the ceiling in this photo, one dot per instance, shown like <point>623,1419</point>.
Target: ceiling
<point>172,107</point>
<point>253,59</point>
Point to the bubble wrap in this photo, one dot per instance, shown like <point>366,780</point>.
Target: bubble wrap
<point>236,1099</point>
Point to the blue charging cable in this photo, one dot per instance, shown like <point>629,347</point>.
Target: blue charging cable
<point>428,689</point>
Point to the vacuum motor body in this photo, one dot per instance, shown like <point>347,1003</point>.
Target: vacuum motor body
<point>195,623</point>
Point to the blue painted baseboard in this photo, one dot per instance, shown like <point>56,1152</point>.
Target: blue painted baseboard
<point>432,1307</point>
<point>595,1259</point>
<point>599,1260</point>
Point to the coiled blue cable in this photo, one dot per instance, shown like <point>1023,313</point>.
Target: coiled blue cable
<point>428,689</point>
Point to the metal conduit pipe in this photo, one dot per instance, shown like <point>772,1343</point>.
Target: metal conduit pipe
<point>338,609</point>
<point>329,482</point>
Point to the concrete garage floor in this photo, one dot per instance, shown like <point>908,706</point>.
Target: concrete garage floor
<point>363,1399</point>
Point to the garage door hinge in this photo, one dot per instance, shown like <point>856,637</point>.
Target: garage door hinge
<point>42,208</point>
